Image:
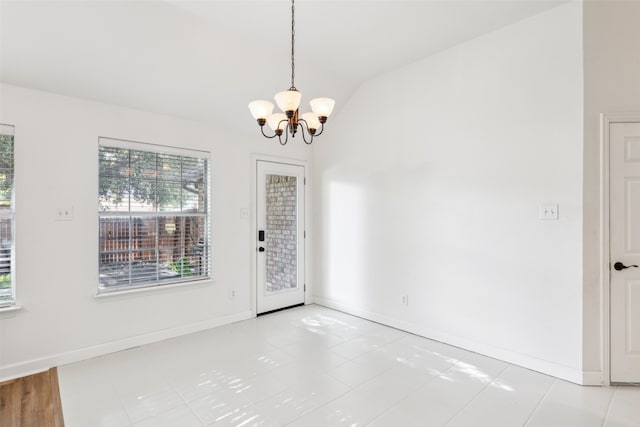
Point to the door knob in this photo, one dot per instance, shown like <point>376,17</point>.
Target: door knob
<point>260,249</point>
<point>620,266</point>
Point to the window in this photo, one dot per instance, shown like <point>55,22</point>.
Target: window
<point>7,279</point>
<point>154,215</point>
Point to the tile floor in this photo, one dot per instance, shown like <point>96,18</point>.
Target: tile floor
<point>312,366</point>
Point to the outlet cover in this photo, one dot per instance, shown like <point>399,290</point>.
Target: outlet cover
<point>405,300</point>
<point>63,214</point>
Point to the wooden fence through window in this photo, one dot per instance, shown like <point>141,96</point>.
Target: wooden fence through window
<point>124,239</point>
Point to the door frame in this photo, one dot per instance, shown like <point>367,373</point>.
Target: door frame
<point>606,120</point>
<point>253,247</point>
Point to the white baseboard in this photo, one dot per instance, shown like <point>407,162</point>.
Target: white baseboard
<point>29,367</point>
<point>555,370</point>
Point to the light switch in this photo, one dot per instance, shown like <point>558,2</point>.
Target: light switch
<point>548,212</point>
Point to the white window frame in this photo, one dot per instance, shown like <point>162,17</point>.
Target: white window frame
<point>6,129</point>
<point>206,215</point>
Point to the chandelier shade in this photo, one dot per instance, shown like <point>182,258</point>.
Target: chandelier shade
<point>290,121</point>
<point>322,107</point>
<point>312,121</point>
<point>277,121</point>
<point>289,100</point>
<point>261,109</point>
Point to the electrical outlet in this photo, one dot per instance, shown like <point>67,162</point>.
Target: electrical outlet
<point>63,214</point>
<point>232,293</point>
<point>404,300</point>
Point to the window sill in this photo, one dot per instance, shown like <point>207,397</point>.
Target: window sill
<point>123,292</point>
<point>9,311</point>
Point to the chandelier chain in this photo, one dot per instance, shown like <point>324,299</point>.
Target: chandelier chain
<point>293,38</point>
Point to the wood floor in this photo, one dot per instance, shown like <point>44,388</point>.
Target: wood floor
<point>32,401</point>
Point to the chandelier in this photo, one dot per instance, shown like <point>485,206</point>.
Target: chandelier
<point>288,122</point>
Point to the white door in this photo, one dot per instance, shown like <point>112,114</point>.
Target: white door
<point>624,231</point>
<point>280,237</point>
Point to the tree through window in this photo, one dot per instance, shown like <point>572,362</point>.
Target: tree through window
<point>154,219</point>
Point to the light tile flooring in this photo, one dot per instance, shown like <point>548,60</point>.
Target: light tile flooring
<point>312,366</point>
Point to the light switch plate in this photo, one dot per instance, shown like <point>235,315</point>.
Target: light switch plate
<point>548,212</point>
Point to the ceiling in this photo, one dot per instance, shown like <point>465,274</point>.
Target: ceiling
<point>206,60</point>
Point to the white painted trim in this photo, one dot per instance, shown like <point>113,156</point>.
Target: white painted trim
<point>153,288</point>
<point>29,367</point>
<point>606,119</point>
<point>594,378</point>
<point>107,141</point>
<point>604,249</point>
<point>9,311</point>
<point>546,367</point>
<point>308,295</point>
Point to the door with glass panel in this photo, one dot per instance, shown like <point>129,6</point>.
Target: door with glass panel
<point>280,235</point>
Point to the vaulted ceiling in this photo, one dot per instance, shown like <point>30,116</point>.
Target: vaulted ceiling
<point>205,60</point>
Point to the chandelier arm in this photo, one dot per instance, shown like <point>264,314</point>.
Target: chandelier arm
<point>265,135</point>
<point>304,138</point>
<point>321,130</point>
<point>286,135</point>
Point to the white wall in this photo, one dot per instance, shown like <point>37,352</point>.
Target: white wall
<point>56,148</point>
<point>431,184</point>
<point>611,85</point>
<point>433,192</point>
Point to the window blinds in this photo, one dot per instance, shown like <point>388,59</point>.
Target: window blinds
<point>154,215</point>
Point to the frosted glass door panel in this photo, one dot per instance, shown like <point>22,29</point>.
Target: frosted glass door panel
<point>280,237</point>
<point>281,233</point>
